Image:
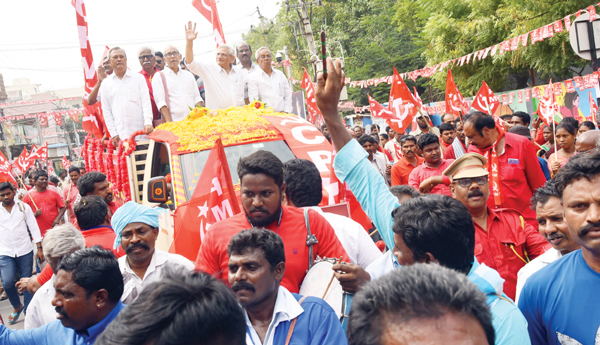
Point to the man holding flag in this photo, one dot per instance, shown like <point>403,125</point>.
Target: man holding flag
<point>514,170</point>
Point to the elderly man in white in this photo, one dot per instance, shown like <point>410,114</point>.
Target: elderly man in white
<point>180,93</point>
<point>59,241</point>
<point>270,85</point>
<point>125,99</point>
<point>224,84</point>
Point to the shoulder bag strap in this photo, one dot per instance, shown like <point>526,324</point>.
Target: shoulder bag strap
<point>289,335</point>
<point>310,239</point>
<point>22,209</point>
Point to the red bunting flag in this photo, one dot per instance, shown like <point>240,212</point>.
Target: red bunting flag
<point>592,11</point>
<point>523,39</point>
<point>593,110</point>
<point>212,201</point>
<point>65,162</point>
<point>511,97</point>
<point>58,119</point>
<point>520,96</point>
<point>455,102</point>
<point>43,120</point>
<point>505,99</point>
<point>208,8</point>
<point>402,104</point>
<point>486,101</point>
<point>558,27</point>
<point>314,114</point>
<point>6,170</point>
<point>569,85</point>
<point>527,95</point>
<point>567,20</point>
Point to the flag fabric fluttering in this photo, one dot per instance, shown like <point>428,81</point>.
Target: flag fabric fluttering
<point>211,202</point>
<point>23,162</point>
<point>455,102</point>
<point>548,108</point>
<point>6,170</point>
<point>65,162</point>
<point>208,8</point>
<point>314,114</point>
<point>402,103</point>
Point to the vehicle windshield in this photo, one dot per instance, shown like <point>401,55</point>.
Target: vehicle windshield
<point>193,163</point>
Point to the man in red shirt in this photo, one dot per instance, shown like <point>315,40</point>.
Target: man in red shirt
<point>95,183</point>
<point>458,147</point>
<point>93,219</point>
<point>48,205</point>
<point>262,188</point>
<point>447,135</point>
<point>148,62</point>
<point>503,241</point>
<point>433,166</point>
<point>71,193</point>
<point>518,167</point>
<point>403,167</point>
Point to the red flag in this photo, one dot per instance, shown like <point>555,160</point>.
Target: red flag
<point>58,119</point>
<point>6,170</point>
<point>51,170</point>
<point>402,104</point>
<point>208,8</point>
<point>314,114</point>
<point>92,119</point>
<point>43,120</point>
<point>335,189</point>
<point>486,101</point>
<point>593,109</point>
<point>65,162</point>
<point>74,115</point>
<point>417,97</point>
<point>548,106</point>
<point>455,102</point>
<point>39,153</point>
<point>213,200</point>
<point>378,111</point>
<point>23,162</point>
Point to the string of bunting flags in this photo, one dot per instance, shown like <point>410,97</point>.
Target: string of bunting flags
<point>512,44</point>
<point>57,115</point>
<point>38,102</point>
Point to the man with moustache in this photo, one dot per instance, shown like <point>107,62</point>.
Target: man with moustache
<point>274,315</point>
<point>305,233</point>
<point>433,166</point>
<point>103,71</point>
<point>148,62</point>
<point>403,167</point>
<point>224,84</point>
<point>503,240</point>
<point>48,204</point>
<point>423,127</point>
<point>269,84</point>
<point>458,147</point>
<point>549,215</point>
<point>136,227</point>
<point>244,54</point>
<point>560,301</point>
<point>160,60</point>
<point>95,183</point>
<point>377,158</point>
<point>71,193</point>
<point>88,288</point>
<point>125,99</point>
<point>180,92</point>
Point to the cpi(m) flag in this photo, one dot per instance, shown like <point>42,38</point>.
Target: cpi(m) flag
<point>378,111</point>
<point>213,200</point>
<point>486,101</point>
<point>40,153</point>
<point>6,170</point>
<point>208,8</point>
<point>548,106</point>
<point>455,102</point>
<point>65,162</point>
<point>23,162</point>
<point>402,104</point>
<point>314,114</point>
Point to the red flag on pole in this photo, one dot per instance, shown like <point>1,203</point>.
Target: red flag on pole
<point>548,106</point>
<point>23,162</point>
<point>43,120</point>
<point>378,111</point>
<point>208,8</point>
<point>6,170</point>
<point>402,104</point>
<point>314,114</point>
<point>455,102</point>
<point>58,119</point>
<point>486,101</point>
<point>65,162</point>
<point>211,202</point>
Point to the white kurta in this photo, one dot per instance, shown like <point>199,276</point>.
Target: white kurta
<point>183,92</point>
<point>223,90</point>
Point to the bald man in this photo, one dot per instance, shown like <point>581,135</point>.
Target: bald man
<point>181,91</point>
<point>588,142</point>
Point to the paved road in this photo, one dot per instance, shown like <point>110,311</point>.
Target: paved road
<point>6,309</point>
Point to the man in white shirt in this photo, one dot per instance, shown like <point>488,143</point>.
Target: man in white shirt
<point>136,227</point>
<point>304,189</point>
<point>246,66</point>
<point>59,241</point>
<point>549,215</point>
<point>16,251</point>
<point>103,71</point>
<point>181,88</point>
<point>224,84</point>
<point>273,314</point>
<point>125,99</point>
<point>270,85</point>
<point>377,159</point>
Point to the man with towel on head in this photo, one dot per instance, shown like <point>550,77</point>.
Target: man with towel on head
<point>136,227</point>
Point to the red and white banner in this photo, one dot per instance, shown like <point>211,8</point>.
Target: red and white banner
<point>314,114</point>
<point>210,203</point>
<point>486,101</point>
<point>208,8</point>
<point>93,121</point>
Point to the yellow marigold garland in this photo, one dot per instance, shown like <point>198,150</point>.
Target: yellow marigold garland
<point>199,130</point>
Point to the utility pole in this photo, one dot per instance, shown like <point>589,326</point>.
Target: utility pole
<point>305,26</point>
<point>262,27</point>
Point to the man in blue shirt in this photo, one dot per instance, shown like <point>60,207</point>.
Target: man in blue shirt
<point>367,185</point>
<point>273,314</point>
<point>88,288</point>
<point>560,301</point>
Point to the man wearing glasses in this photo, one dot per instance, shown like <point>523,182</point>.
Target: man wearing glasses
<point>588,142</point>
<point>180,92</point>
<point>148,63</point>
<point>270,85</point>
<point>503,240</point>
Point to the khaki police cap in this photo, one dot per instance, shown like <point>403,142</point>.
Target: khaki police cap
<point>468,165</point>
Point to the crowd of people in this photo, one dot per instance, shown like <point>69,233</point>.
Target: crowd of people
<point>481,245</point>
